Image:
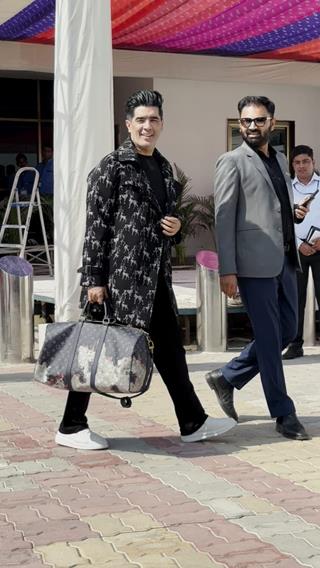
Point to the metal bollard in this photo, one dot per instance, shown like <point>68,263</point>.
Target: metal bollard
<point>16,310</point>
<point>211,304</point>
<point>309,328</point>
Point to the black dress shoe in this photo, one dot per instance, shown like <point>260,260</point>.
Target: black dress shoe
<point>293,352</point>
<point>290,427</point>
<point>224,392</point>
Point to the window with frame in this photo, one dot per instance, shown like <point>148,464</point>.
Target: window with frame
<point>26,123</point>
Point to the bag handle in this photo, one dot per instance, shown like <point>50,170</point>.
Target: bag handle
<point>108,318</point>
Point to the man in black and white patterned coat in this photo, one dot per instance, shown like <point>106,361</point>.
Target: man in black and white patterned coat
<point>131,226</point>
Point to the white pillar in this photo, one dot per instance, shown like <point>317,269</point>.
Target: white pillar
<point>83,131</point>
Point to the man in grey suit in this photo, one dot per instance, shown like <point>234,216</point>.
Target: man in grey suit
<point>255,217</point>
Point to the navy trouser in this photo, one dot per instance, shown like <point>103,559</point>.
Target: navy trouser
<point>272,307</point>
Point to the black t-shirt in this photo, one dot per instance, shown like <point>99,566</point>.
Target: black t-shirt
<point>153,171</point>
<point>279,183</point>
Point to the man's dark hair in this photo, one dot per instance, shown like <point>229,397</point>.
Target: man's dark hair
<point>146,98</point>
<point>20,157</point>
<point>302,149</point>
<point>257,101</point>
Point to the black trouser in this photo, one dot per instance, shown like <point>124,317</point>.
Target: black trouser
<point>170,360</point>
<point>313,262</point>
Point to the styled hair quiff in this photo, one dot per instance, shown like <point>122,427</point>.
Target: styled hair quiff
<point>144,97</point>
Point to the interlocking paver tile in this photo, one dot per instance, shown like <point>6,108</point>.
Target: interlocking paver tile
<point>47,532</point>
<point>5,425</point>
<point>154,542</point>
<point>159,560</point>
<point>107,525</point>
<point>312,536</point>
<point>247,500</point>
<point>68,478</point>
<point>313,485</point>
<point>228,508</point>
<point>54,511</point>
<point>61,555</point>
<point>21,498</point>
<point>19,558</point>
<point>25,513</point>
<point>51,464</point>
<point>19,483</point>
<point>296,546</point>
<point>8,471</point>
<point>97,550</point>
<point>255,505</point>
<point>314,562</point>
<point>274,523</point>
<point>136,520</point>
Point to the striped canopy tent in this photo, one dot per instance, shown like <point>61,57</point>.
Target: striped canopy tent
<point>274,29</point>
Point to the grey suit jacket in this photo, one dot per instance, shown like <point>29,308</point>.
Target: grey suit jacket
<point>248,215</point>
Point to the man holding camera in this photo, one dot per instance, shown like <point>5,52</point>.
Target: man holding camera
<point>305,184</point>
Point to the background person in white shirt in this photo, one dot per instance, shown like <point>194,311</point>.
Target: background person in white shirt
<point>306,181</point>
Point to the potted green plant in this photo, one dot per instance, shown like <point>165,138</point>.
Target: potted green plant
<point>196,213</point>
<point>186,209</point>
<point>205,213</point>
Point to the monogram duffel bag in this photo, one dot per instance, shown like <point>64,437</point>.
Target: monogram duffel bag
<point>96,356</point>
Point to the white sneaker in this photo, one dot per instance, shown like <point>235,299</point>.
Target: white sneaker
<point>211,428</point>
<point>83,440</point>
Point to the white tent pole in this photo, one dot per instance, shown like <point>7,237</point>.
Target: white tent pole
<point>83,131</point>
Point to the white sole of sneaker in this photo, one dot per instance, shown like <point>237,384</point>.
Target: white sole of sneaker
<point>207,435</point>
<point>69,442</point>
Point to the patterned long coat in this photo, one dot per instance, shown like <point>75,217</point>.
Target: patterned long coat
<point>124,244</point>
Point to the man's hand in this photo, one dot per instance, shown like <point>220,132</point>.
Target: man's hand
<point>308,250</point>
<point>229,285</point>
<point>316,245</point>
<point>300,211</point>
<point>97,294</point>
<point>170,226</point>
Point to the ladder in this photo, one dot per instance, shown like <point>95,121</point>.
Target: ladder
<point>15,202</point>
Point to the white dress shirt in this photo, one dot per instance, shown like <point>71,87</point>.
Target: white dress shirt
<point>300,191</point>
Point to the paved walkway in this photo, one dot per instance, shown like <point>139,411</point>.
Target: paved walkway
<point>249,500</point>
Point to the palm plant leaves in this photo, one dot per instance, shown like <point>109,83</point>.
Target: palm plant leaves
<point>196,212</point>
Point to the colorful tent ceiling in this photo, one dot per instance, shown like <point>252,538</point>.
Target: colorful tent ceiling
<point>283,29</point>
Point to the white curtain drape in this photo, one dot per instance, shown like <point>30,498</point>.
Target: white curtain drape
<point>83,131</point>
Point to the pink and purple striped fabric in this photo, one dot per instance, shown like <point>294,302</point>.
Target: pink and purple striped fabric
<point>284,29</point>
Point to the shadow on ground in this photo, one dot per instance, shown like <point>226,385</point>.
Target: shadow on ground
<point>242,437</point>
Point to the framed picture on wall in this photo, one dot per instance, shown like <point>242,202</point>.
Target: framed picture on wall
<point>282,137</point>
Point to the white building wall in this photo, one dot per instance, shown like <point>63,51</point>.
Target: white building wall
<point>195,131</point>
<point>26,57</point>
<point>196,114</point>
<point>201,93</point>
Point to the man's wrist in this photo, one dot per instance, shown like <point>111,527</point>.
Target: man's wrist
<point>229,274</point>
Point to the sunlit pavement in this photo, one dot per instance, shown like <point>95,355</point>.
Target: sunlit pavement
<point>249,499</point>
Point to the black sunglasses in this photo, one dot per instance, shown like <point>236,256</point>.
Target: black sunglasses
<point>259,121</point>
